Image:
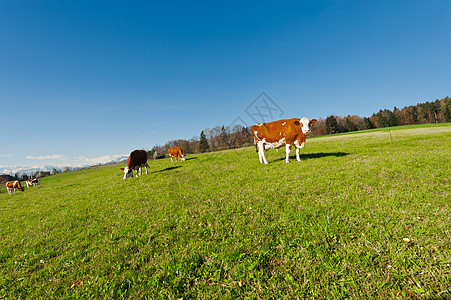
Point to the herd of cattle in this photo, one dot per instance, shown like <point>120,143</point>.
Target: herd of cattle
<point>274,134</point>
<point>15,185</point>
<point>269,135</point>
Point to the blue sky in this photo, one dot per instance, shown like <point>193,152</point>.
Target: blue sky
<point>87,80</point>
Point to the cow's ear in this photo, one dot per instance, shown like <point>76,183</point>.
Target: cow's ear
<point>122,169</point>
<point>297,123</point>
<point>313,121</point>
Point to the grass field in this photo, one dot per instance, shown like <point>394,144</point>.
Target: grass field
<point>358,217</point>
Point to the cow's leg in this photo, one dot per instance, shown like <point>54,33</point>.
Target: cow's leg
<point>9,190</point>
<point>147,166</point>
<point>171,158</point>
<point>298,148</point>
<point>261,153</point>
<point>298,158</point>
<point>287,150</point>
<point>258,151</point>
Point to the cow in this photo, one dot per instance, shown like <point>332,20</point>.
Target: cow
<point>282,132</point>
<point>136,160</point>
<point>31,182</point>
<point>176,152</point>
<point>13,185</point>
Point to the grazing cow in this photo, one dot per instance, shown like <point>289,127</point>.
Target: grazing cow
<point>176,152</point>
<point>282,132</point>
<point>31,182</point>
<point>13,185</point>
<point>136,160</point>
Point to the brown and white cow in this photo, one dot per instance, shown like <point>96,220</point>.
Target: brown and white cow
<point>282,132</point>
<point>32,182</point>
<point>13,185</point>
<point>136,161</point>
<point>176,152</point>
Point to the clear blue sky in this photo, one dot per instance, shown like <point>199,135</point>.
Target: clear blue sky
<point>85,79</point>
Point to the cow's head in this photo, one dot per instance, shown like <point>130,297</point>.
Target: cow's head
<point>305,125</point>
<point>19,187</point>
<point>183,157</point>
<point>127,172</point>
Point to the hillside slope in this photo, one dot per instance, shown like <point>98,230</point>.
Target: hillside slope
<point>358,217</point>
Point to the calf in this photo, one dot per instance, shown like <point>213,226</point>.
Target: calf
<point>136,160</point>
<point>13,185</point>
<point>176,152</point>
<point>282,132</point>
<point>31,182</point>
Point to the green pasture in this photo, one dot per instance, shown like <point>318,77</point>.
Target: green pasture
<point>362,216</point>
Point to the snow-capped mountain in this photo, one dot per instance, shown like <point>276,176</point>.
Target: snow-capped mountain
<point>30,170</point>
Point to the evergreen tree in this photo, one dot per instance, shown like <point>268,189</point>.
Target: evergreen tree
<point>392,120</point>
<point>203,143</point>
<point>331,125</point>
<point>151,152</point>
<point>224,138</point>
<point>368,123</point>
<point>447,109</point>
<point>381,119</point>
<point>349,125</point>
<point>415,114</point>
<point>435,107</point>
<point>248,137</point>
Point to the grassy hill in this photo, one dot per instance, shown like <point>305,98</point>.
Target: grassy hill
<point>358,217</point>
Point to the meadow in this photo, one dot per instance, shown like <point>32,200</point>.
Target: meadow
<point>362,216</point>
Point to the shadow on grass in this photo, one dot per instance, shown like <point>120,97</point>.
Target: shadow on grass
<point>315,155</point>
<point>167,169</point>
<point>190,158</point>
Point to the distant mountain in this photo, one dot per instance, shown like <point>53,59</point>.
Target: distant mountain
<point>26,170</point>
<point>48,168</point>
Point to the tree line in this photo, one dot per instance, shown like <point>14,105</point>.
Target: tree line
<point>438,111</point>
<point>223,138</point>
<point>214,139</point>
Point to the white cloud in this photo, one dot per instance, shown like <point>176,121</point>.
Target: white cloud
<point>55,156</point>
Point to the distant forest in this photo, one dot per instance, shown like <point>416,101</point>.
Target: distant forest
<point>223,138</point>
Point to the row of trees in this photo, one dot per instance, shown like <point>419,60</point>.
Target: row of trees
<point>438,111</point>
<point>215,139</point>
<point>222,138</point>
